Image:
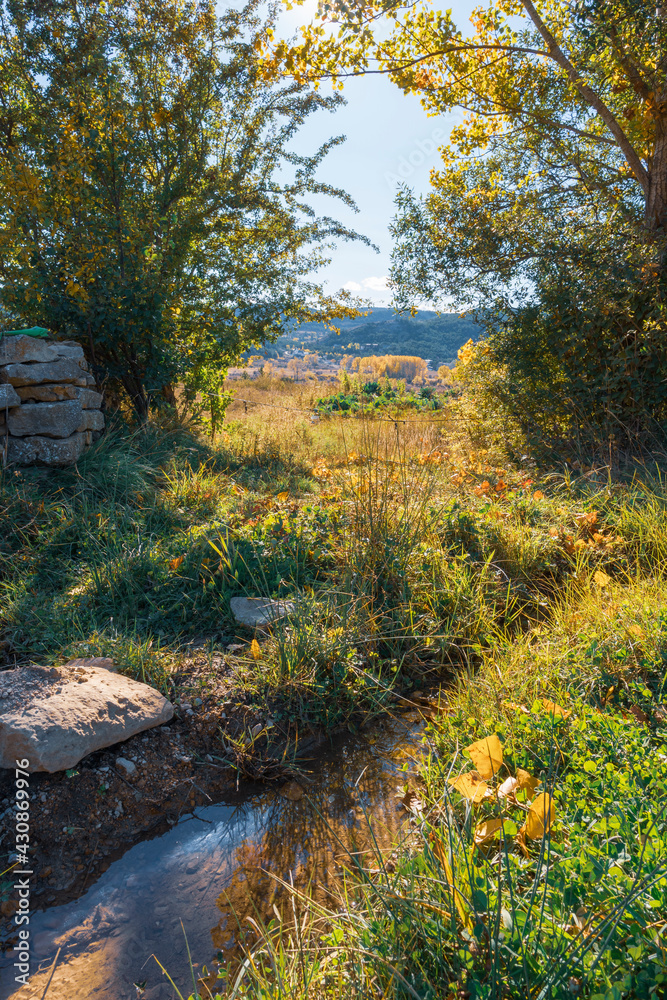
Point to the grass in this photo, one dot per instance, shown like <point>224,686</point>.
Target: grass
<point>415,551</point>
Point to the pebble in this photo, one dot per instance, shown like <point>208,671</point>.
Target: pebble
<point>197,702</point>
<point>126,765</point>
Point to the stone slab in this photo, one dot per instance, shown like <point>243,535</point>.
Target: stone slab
<point>50,451</point>
<point>21,349</point>
<point>66,370</point>
<point>53,717</point>
<point>68,349</point>
<point>92,420</point>
<point>8,397</point>
<point>257,611</point>
<point>90,400</point>
<point>48,393</point>
<point>57,420</point>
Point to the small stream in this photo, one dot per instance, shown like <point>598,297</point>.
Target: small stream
<point>213,869</point>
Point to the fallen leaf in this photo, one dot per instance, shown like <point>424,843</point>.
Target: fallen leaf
<point>601,578</point>
<point>538,495</point>
<point>487,755</point>
<point>553,532</point>
<point>282,496</point>
<point>527,783</point>
<point>638,714</point>
<point>540,816</point>
<point>240,492</point>
<point>486,830</point>
<point>470,785</point>
<point>507,788</point>
<point>255,651</point>
<point>556,710</point>
<point>175,563</point>
<point>412,802</point>
<point>635,630</point>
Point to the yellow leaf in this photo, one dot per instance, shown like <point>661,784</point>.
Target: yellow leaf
<point>540,817</point>
<point>240,492</point>
<point>255,651</point>
<point>282,496</point>
<point>470,785</point>
<point>175,563</point>
<point>487,755</point>
<point>527,782</point>
<point>538,495</point>
<point>488,829</point>
<point>601,578</point>
<point>555,710</point>
<point>635,630</point>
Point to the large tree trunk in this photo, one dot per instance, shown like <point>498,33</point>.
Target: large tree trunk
<point>656,201</point>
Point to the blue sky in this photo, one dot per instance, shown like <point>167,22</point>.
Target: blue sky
<point>389,136</point>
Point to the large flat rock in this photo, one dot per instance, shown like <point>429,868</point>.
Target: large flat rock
<point>20,349</point>
<point>50,451</point>
<point>55,716</point>
<point>66,370</point>
<point>57,420</point>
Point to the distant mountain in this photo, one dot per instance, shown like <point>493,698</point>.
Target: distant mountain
<point>382,331</point>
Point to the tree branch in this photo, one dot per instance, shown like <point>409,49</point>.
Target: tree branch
<point>589,95</point>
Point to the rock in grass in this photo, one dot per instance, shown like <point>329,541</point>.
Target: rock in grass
<point>53,717</point>
<point>257,611</point>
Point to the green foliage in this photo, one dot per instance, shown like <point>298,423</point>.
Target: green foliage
<point>582,366</point>
<point>372,397</point>
<point>143,213</point>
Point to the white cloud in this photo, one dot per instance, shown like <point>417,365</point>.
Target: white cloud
<point>376,284</point>
<point>352,286</point>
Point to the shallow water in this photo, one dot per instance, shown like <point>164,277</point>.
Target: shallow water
<point>211,871</point>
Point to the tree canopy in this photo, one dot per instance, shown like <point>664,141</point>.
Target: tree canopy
<point>152,207</point>
<point>564,129</point>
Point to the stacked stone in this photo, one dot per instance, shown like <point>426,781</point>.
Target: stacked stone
<point>49,410</point>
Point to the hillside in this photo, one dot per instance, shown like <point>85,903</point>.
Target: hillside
<point>428,335</point>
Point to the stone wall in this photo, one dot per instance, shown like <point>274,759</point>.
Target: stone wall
<point>49,410</point>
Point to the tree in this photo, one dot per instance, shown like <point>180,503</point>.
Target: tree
<point>151,206</point>
<point>549,211</point>
<point>565,122</point>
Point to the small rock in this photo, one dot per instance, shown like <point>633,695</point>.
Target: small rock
<point>292,791</point>
<point>126,765</point>
<point>255,611</point>
<point>197,702</point>
<point>119,808</point>
<point>235,647</point>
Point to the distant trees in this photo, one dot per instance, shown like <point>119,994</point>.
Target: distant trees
<point>150,204</point>
<point>390,366</point>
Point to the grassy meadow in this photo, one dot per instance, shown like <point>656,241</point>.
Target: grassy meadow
<point>421,550</point>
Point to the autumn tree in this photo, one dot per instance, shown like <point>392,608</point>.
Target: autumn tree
<point>549,209</point>
<point>152,207</point>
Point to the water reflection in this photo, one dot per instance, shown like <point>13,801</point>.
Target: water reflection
<point>209,868</point>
